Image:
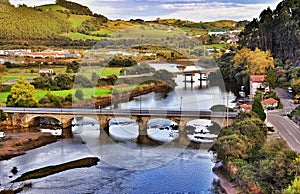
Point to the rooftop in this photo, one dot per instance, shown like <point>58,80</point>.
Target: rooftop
<point>257,78</point>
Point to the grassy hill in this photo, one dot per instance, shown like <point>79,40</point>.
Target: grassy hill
<point>70,21</point>
<point>28,23</point>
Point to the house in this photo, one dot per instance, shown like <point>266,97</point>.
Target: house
<point>235,31</point>
<point>245,107</point>
<point>216,32</point>
<point>270,103</point>
<point>257,83</point>
<point>46,72</point>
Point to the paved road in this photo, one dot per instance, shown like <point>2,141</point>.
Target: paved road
<point>287,99</point>
<point>286,128</point>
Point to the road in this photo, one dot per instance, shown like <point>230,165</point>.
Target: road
<point>286,128</point>
<point>118,112</point>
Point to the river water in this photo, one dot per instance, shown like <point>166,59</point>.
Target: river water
<point>125,166</point>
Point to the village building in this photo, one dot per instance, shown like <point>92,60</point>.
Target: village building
<point>245,107</point>
<point>257,83</point>
<point>216,32</point>
<point>269,103</point>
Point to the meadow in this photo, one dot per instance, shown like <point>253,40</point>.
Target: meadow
<point>14,73</point>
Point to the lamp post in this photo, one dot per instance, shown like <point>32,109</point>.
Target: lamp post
<point>180,103</point>
<point>227,112</point>
<point>140,104</point>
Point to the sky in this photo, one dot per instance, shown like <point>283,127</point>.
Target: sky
<point>192,10</point>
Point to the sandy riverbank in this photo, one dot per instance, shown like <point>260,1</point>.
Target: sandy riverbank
<point>15,144</point>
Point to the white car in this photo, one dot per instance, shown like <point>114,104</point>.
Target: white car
<point>290,90</point>
<point>2,134</point>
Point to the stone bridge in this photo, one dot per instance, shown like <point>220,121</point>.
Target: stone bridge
<point>26,117</point>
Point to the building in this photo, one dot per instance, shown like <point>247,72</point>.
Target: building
<point>270,103</point>
<point>257,83</point>
<point>216,32</point>
<point>245,107</point>
<point>47,72</point>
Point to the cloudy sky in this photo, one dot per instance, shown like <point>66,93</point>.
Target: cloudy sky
<point>193,10</point>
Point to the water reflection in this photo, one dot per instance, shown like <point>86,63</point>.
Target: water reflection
<point>203,131</point>
<point>123,129</point>
<point>162,130</point>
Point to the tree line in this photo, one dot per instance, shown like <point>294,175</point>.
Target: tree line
<point>256,165</point>
<point>275,30</point>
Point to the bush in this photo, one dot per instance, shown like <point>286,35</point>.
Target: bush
<point>3,115</point>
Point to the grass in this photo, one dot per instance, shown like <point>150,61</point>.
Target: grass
<point>79,36</point>
<point>146,32</point>
<point>52,7</point>
<point>110,71</point>
<point>103,31</point>
<point>217,46</point>
<point>88,93</point>
<point>77,20</point>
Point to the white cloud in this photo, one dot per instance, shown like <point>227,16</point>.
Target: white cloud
<point>216,11</point>
<point>194,10</point>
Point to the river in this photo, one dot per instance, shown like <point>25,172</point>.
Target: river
<point>125,166</point>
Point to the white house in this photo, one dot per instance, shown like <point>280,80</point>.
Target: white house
<point>216,32</point>
<point>46,71</point>
<point>257,83</point>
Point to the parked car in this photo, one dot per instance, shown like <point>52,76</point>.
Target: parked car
<point>2,134</point>
<point>290,90</point>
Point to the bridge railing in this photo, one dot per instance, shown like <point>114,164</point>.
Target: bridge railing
<point>204,113</point>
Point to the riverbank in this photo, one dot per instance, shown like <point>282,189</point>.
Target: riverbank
<point>226,186</point>
<point>15,144</point>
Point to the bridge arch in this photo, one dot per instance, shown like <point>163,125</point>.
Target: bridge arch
<point>121,128</point>
<point>162,130</point>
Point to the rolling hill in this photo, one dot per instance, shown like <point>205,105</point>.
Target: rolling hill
<point>73,22</point>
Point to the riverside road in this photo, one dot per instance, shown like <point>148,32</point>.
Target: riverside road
<point>286,128</point>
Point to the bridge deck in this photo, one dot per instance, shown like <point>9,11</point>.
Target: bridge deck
<point>119,112</point>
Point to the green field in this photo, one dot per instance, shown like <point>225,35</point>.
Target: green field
<point>80,36</point>
<point>14,73</point>
<point>77,20</point>
<point>52,7</point>
<point>88,93</point>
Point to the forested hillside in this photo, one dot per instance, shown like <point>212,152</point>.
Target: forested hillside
<point>27,23</point>
<point>276,30</point>
<point>74,8</point>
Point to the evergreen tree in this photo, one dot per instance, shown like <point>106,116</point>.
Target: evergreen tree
<point>258,109</point>
<point>271,78</point>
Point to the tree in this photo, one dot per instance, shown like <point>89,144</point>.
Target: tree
<point>79,94</point>
<point>64,81</point>
<point>230,147</point>
<point>294,188</point>
<point>271,78</point>
<point>258,109</point>
<point>3,115</point>
<point>253,62</point>
<point>73,67</point>
<point>296,86</point>
<point>3,69</point>
<point>22,94</point>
